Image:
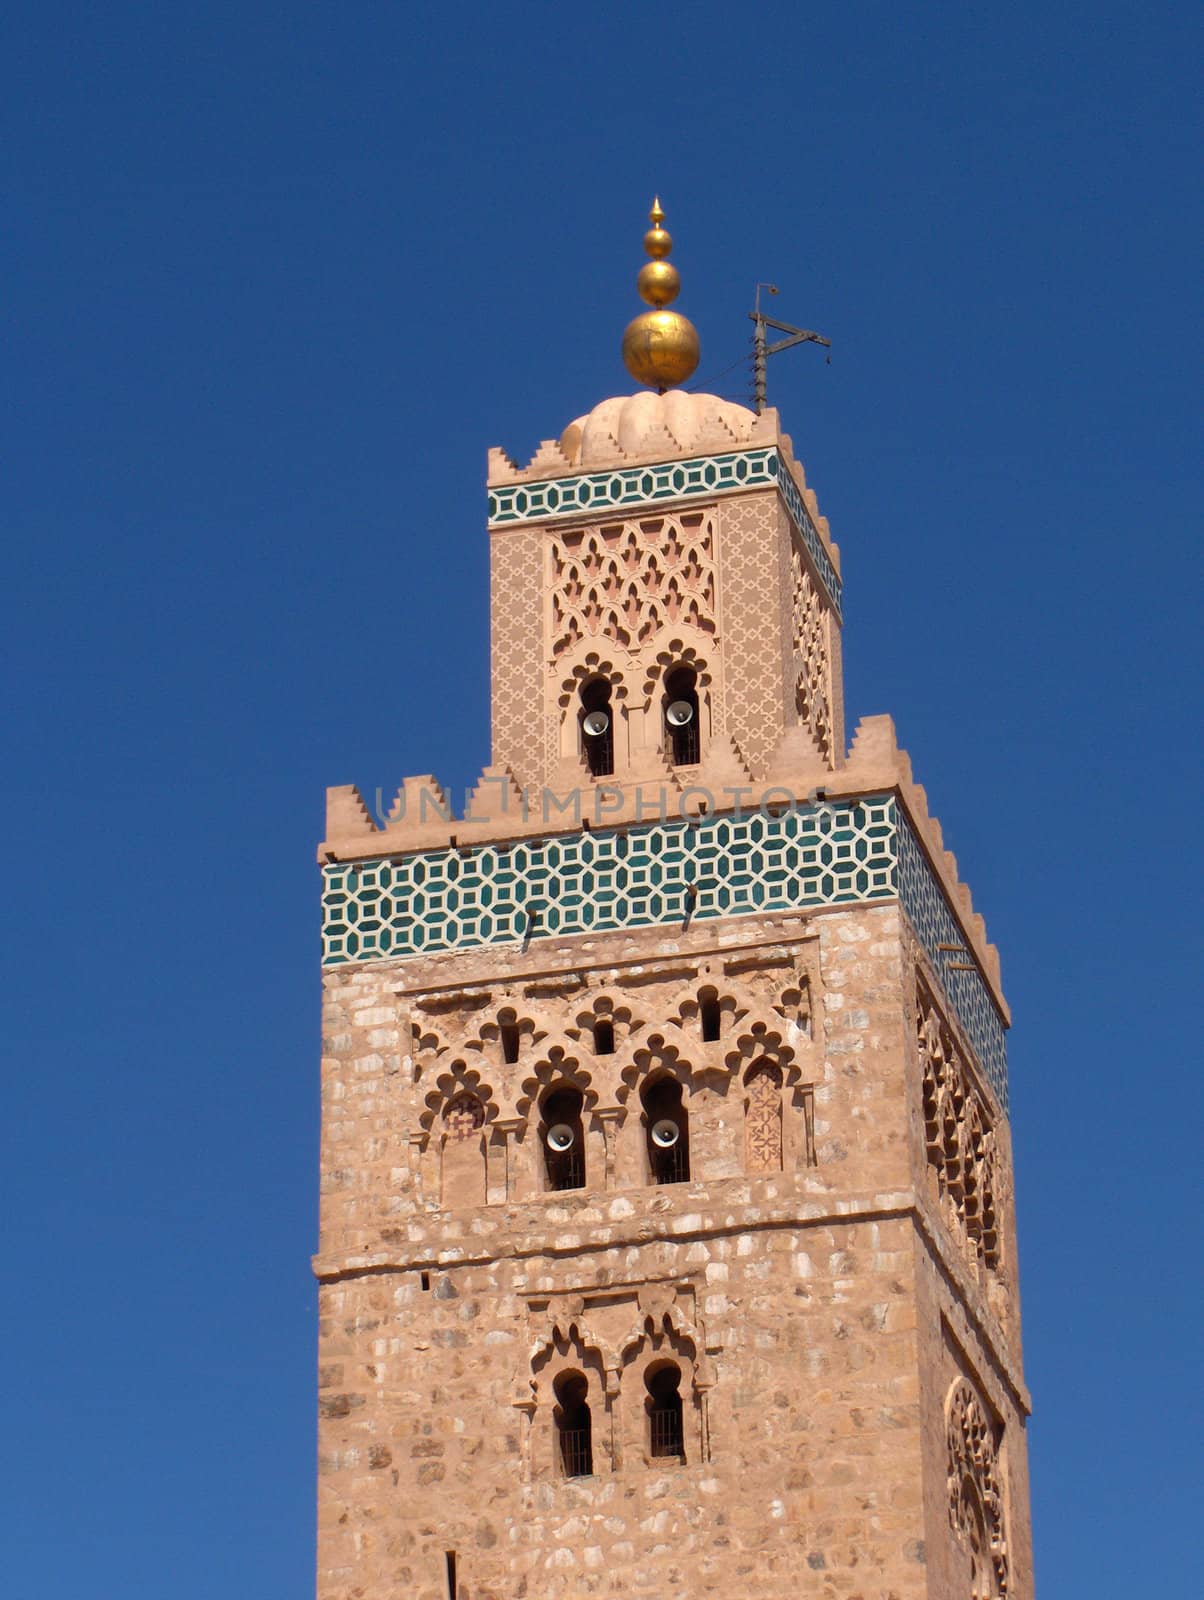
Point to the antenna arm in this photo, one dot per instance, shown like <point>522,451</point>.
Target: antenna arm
<point>782,327</point>
<point>800,336</point>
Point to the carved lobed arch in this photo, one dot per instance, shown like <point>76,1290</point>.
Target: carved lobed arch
<point>558,1062</point>
<point>684,647</point>
<point>533,1025</point>
<point>660,1050</point>
<point>762,1035</point>
<point>596,1008</point>
<point>567,1330</point>
<point>662,1332</point>
<point>456,1077</point>
<point>583,664</point>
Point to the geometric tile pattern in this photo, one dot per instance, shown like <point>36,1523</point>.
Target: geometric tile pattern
<point>668,480</point>
<point>840,853</point>
<point>930,916</point>
<point>720,866</point>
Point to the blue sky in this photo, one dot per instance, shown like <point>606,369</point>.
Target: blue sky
<point>276,278</point>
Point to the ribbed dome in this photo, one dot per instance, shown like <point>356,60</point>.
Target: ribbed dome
<point>702,421</point>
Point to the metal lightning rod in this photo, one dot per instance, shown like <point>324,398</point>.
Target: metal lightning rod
<point>762,350</point>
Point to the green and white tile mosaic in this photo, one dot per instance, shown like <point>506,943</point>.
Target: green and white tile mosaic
<point>591,882</point>
<point>930,916</point>
<point>670,480</point>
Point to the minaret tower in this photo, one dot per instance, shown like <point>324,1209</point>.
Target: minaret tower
<point>667,1241</point>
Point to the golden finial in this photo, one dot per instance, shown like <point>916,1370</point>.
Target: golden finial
<point>660,348</point>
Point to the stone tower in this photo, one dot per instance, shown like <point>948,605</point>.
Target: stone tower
<point>667,1240</point>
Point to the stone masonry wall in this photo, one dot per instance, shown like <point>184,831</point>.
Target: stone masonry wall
<point>808,1483</point>
<point>791,1296</point>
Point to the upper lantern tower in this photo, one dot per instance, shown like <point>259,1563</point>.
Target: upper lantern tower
<point>667,1236</point>
<point>678,563</point>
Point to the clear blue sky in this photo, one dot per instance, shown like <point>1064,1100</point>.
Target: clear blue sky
<point>277,276</point>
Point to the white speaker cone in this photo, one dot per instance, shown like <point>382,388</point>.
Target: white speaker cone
<point>560,1137</point>
<point>679,713</point>
<point>665,1133</point>
<point>596,724</point>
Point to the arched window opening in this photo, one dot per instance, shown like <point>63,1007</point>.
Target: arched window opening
<point>682,738</point>
<point>667,1132</point>
<point>604,1037</point>
<point>574,1426</point>
<point>510,1037</point>
<point>665,1434</point>
<point>563,1140</point>
<point>710,1016</point>
<point>596,721</point>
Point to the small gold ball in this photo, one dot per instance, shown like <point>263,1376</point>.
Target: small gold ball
<point>660,348</point>
<point>657,243</point>
<point>659,283</point>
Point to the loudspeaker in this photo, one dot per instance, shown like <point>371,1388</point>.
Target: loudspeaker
<point>596,723</point>
<point>560,1138</point>
<point>679,713</point>
<point>665,1133</point>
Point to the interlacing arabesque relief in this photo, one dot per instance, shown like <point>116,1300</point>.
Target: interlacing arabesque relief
<point>960,1142</point>
<point>623,581</point>
<point>975,1483</point>
<point>487,1065</point>
<point>521,741</point>
<point>813,694</point>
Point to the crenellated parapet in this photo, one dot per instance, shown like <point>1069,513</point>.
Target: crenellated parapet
<point>422,815</point>
<point>512,866</point>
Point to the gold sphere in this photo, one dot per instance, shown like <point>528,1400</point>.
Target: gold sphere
<point>659,283</point>
<point>660,348</point>
<point>657,243</point>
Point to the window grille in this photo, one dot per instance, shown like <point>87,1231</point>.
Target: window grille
<point>672,1165</point>
<point>665,1436</point>
<point>667,1162</point>
<point>566,1170</point>
<point>576,1452</point>
<point>686,745</point>
<point>665,1432</point>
